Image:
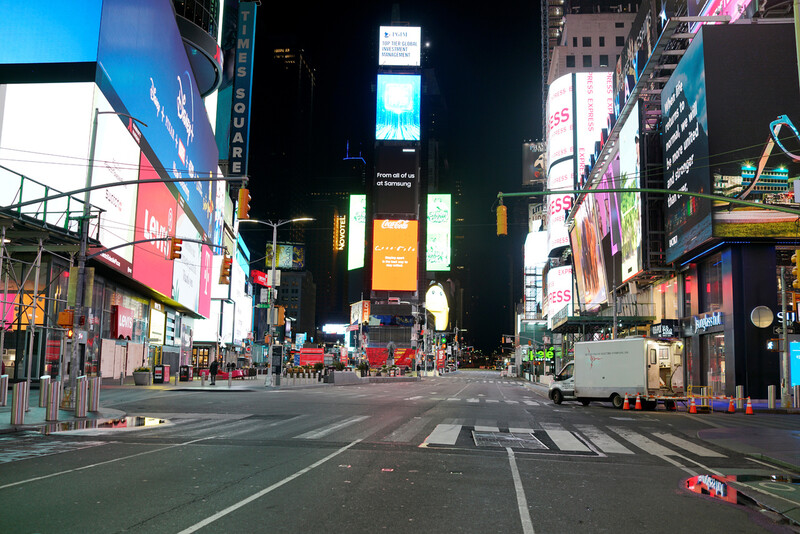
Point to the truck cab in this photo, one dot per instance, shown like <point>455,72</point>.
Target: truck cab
<point>563,384</point>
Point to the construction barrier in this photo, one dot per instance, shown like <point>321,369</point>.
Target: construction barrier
<point>53,396</point>
<point>94,394</point>
<point>18,403</point>
<point>44,381</point>
<point>4,390</point>
<point>81,396</point>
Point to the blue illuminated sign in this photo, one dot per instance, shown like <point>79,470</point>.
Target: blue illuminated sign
<point>397,114</point>
<point>794,363</point>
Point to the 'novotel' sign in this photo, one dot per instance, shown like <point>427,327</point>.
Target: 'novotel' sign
<point>709,320</point>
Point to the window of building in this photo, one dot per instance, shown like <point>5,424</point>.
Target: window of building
<point>575,42</point>
<point>587,61</point>
<point>604,60</point>
<point>602,40</point>
<point>587,41</point>
<point>570,61</point>
<point>711,284</point>
<point>620,40</point>
<point>619,24</point>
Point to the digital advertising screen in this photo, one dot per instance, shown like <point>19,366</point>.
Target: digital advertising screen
<point>558,204</point>
<point>440,218</point>
<point>394,255</point>
<point>399,46</point>
<point>397,116</point>
<point>289,257</point>
<point>185,279</point>
<point>610,223</point>
<point>356,232</point>
<point>560,134</point>
<point>594,101</point>
<point>559,293</point>
<point>396,184</point>
<point>533,155</point>
<point>587,256</point>
<point>630,204</point>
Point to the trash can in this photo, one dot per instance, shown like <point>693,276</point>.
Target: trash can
<point>158,374</point>
<point>185,373</point>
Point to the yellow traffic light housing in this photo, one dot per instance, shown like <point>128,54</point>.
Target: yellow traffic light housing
<point>243,207</point>
<point>502,220</point>
<point>66,318</point>
<point>225,270</point>
<point>796,269</point>
<point>175,246</point>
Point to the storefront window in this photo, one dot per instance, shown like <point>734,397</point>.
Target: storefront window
<point>666,300</point>
<point>713,352</point>
<point>711,284</point>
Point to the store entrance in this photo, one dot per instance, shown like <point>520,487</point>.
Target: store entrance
<point>712,362</point>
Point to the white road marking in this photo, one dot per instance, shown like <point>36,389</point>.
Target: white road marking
<point>566,441</point>
<point>522,502</point>
<point>324,431</point>
<point>531,403</point>
<point>492,400</point>
<point>512,402</point>
<point>688,445</point>
<point>602,440</point>
<point>228,510</point>
<point>453,399</point>
<point>472,400</point>
<point>642,442</point>
<point>414,398</point>
<point>444,434</point>
<point>485,425</point>
<point>408,430</point>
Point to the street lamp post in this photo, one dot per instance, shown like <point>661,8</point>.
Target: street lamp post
<point>270,317</point>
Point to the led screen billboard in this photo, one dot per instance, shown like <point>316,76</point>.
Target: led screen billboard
<point>710,149</point>
<point>289,257</point>
<point>356,239</point>
<point>533,155</point>
<point>394,255</point>
<point>185,279</point>
<point>559,294</point>
<point>396,184</point>
<point>399,46</point>
<point>397,116</point>
<point>630,204</point>
<point>587,256</point>
<point>437,255</point>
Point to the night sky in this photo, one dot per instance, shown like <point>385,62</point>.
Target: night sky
<point>487,63</point>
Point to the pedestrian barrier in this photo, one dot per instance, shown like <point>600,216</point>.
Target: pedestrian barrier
<point>94,394</point>
<point>44,381</point>
<point>626,405</point>
<point>81,396</point>
<point>18,403</point>
<point>638,405</point>
<point>749,409</point>
<point>53,397</point>
<point>4,390</point>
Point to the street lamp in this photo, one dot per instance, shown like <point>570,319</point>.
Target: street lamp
<point>274,226</point>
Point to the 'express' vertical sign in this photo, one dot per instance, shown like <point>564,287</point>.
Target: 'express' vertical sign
<point>242,89</point>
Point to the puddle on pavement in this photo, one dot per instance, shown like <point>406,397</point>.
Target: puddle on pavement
<point>103,424</point>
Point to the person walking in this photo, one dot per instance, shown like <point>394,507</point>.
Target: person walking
<point>212,370</point>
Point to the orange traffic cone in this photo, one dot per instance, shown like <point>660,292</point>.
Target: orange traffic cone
<point>626,405</point>
<point>638,405</point>
<point>749,409</point>
<point>731,407</point>
<point>692,406</point>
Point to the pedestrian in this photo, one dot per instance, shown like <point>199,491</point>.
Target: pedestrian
<point>212,370</point>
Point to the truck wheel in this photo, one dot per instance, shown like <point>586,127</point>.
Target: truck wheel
<point>557,396</point>
<point>650,405</point>
<point>617,401</point>
<point>585,402</point>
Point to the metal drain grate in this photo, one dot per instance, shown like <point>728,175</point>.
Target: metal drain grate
<point>507,439</point>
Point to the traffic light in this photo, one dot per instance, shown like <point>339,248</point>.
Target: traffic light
<point>502,220</point>
<point>225,270</point>
<point>175,246</point>
<point>796,268</point>
<point>243,208</point>
<point>70,333</point>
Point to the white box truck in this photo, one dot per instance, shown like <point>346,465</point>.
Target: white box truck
<point>607,370</point>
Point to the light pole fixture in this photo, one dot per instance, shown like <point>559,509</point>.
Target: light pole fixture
<point>274,225</point>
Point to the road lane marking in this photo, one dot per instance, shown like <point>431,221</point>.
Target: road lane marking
<point>408,430</point>
<point>642,442</point>
<point>324,431</point>
<point>512,402</point>
<point>472,400</point>
<point>453,399</point>
<point>228,510</point>
<point>492,400</point>
<point>602,440</point>
<point>566,441</point>
<point>522,502</point>
<point>531,403</point>
<point>688,445</point>
<point>444,434</point>
<point>414,398</point>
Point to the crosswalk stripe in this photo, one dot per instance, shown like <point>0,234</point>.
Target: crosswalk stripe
<point>492,400</point>
<point>512,402</point>
<point>444,434</point>
<point>688,445</point>
<point>324,431</point>
<point>454,399</point>
<point>485,425</point>
<point>408,430</point>
<point>566,440</point>
<point>472,400</point>
<point>520,430</point>
<point>642,442</point>
<point>531,403</point>
<point>414,398</point>
<point>603,441</point>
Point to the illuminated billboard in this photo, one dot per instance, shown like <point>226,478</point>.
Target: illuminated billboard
<point>712,150</point>
<point>394,255</point>
<point>399,46</point>
<point>587,256</point>
<point>396,184</point>
<point>630,204</point>
<point>440,218</point>
<point>289,257</point>
<point>357,232</point>
<point>559,294</point>
<point>533,155</point>
<point>397,116</point>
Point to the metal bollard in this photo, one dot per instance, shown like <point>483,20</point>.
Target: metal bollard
<point>44,381</point>
<point>796,401</point>
<point>739,397</point>
<point>230,380</point>
<point>94,394</point>
<point>27,396</point>
<point>81,396</point>
<point>53,401</point>
<point>3,390</point>
<point>771,397</point>
<point>18,403</point>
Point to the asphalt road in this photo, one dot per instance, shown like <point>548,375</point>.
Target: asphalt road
<point>467,452</point>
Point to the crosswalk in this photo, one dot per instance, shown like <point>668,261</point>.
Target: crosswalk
<point>478,400</point>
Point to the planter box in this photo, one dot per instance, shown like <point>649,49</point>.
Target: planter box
<point>141,378</point>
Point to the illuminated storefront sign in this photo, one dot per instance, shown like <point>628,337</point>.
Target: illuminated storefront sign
<point>339,232</point>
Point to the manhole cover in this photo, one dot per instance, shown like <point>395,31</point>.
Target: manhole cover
<point>507,439</point>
